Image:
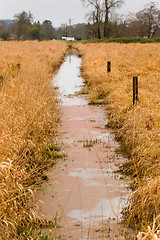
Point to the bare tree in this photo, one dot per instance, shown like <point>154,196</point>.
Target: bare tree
<point>149,19</point>
<point>108,6</point>
<point>95,15</point>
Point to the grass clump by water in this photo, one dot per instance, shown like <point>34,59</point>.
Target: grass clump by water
<point>138,127</point>
<point>28,123</point>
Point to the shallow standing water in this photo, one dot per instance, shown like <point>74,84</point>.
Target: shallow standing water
<point>84,190</point>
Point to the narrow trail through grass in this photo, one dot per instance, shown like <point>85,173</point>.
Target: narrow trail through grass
<point>84,190</point>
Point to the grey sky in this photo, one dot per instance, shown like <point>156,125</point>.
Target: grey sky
<point>59,11</point>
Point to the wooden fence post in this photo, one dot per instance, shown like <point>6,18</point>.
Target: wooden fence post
<point>108,66</point>
<point>135,89</point>
<point>1,81</point>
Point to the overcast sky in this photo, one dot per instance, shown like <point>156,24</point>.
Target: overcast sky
<point>59,11</point>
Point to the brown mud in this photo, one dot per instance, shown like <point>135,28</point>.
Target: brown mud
<point>85,189</point>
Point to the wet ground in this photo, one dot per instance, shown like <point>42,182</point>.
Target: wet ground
<point>85,189</point>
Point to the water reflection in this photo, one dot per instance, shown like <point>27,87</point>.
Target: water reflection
<point>106,209</point>
<point>69,81</point>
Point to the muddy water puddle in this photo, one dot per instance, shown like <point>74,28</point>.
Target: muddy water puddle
<point>85,189</point>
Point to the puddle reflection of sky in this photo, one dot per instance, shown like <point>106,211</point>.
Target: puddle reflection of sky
<point>106,209</point>
<point>90,173</point>
<point>69,81</point>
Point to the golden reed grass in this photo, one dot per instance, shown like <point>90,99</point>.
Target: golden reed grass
<point>137,127</point>
<point>28,127</point>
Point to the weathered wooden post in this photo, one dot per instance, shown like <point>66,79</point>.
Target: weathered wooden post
<point>1,81</point>
<point>108,66</point>
<point>135,89</point>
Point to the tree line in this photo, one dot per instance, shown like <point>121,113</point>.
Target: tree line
<point>102,23</point>
<point>23,27</point>
<point>105,23</point>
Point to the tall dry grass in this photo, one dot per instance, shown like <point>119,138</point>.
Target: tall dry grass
<point>28,129</point>
<point>137,127</point>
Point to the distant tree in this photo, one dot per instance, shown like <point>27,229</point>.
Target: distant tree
<point>78,31</point>
<point>136,28</point>
<point>12,30</point>
<point>108,6</point>
<point>2,26</point>
<point>148,20</point>
<point>89,31</point>
<point>5,35</point>
<point>23,24</point>
<point>96,15</point>
<point>7,29</point>
<point>63,31</point>
<point>36,32</point>
<point>118,27</point>
<point>48,30</point>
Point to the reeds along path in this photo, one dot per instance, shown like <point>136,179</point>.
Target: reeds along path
<point>28,127</point>
<point>138,127</point>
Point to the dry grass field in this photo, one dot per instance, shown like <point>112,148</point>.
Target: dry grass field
<point>137,127</point>
<point>28,129</point>
<point>29,117</point>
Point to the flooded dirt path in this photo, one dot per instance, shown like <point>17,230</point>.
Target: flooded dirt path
<point>84,190</point>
